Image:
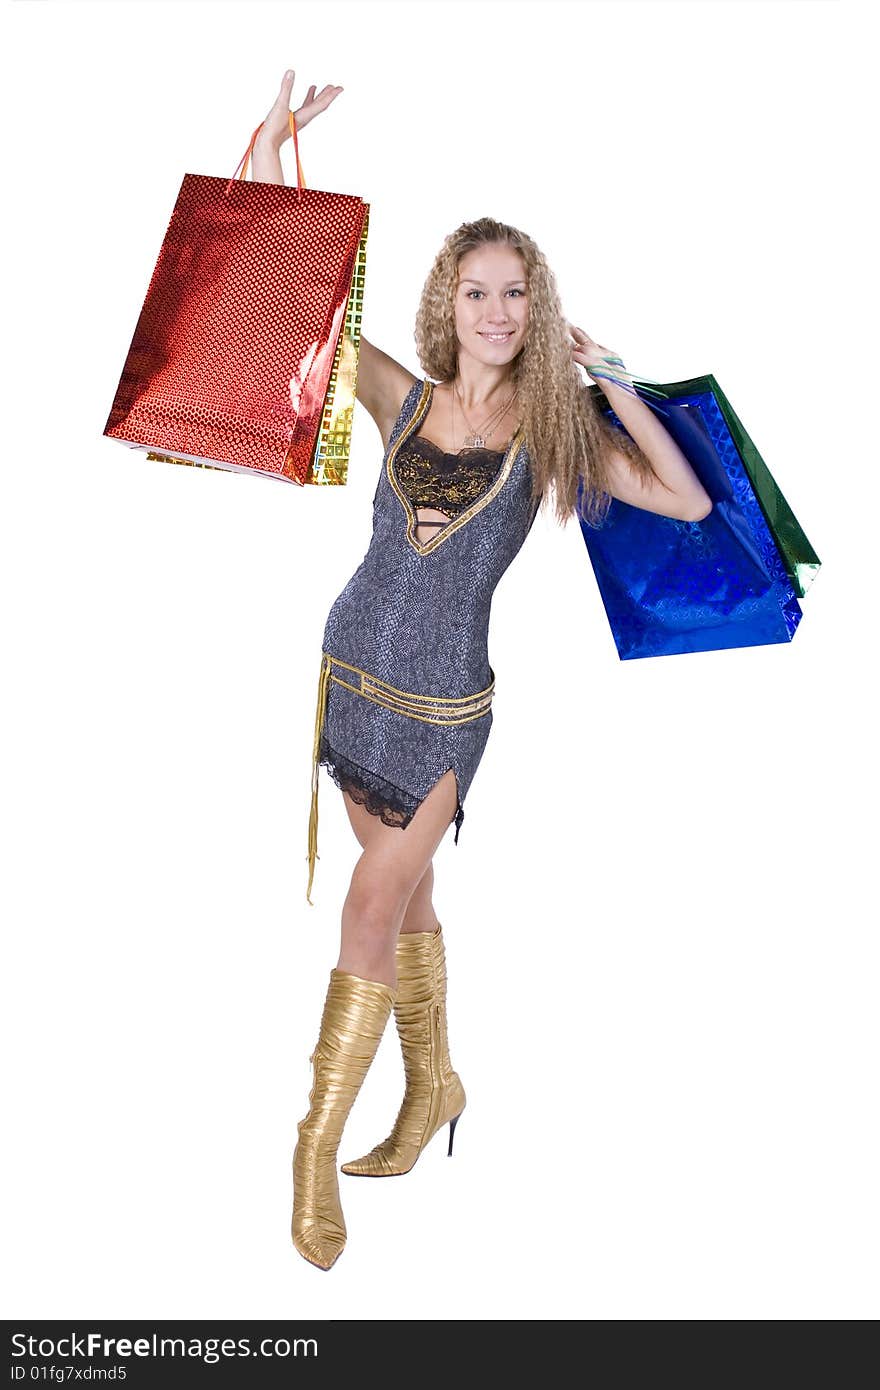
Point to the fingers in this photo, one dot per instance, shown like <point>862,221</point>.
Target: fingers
<point>313,104</point>
<point>282,101</point>
<point>583,341</point>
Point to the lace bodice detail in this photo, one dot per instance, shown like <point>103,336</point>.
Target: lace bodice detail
<point>447,482</point>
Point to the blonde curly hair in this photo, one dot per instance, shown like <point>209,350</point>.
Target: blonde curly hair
<point>566,436</point>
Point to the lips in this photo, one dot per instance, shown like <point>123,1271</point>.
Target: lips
<point>497,337</point>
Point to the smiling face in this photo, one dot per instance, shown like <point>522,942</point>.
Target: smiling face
<point>491,304</point>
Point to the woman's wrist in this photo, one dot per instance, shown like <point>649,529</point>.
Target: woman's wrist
<point>270,142</point>
<point>609,370</point>
<point>266,161</point>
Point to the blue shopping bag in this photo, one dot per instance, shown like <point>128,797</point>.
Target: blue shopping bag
<point>730,580</point>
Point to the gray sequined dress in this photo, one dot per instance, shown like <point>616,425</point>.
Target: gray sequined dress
<point>413,622</point>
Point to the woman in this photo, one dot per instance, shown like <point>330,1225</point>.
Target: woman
<point>405,691</point>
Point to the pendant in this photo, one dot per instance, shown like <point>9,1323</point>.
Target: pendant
<point>475,441</point>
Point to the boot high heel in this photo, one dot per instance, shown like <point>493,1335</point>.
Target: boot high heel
<point>434,1095</point>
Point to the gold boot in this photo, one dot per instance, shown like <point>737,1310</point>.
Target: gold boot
<point>434,1095</point>
<point>355,1014</point>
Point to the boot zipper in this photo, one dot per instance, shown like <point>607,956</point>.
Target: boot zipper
<point>435,1048</point>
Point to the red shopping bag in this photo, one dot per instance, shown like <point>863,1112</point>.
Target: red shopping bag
<point>245,353</point>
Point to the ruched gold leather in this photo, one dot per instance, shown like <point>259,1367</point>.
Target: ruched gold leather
<point>434,1095</point>
<point>354,1018</point>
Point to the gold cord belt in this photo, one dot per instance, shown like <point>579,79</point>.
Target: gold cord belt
<point>429,709</point>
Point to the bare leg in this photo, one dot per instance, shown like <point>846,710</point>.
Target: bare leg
<point>391,868</point>
<point>420,914</point>
<point>434,1093</point>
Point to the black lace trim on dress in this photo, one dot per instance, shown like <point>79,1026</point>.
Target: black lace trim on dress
<point>448,482</point>
<point>394,806</point>
<point>380,797</point>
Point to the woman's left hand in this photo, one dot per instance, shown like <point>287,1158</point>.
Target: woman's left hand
<point>587,352</point>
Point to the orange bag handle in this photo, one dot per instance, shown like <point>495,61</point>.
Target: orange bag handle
<point>241,170</point>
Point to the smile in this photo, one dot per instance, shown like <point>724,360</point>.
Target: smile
<point>497,337</point>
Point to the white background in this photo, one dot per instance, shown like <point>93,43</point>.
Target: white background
<point>661,960</point>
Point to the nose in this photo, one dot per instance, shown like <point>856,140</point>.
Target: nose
<point>497,315</point>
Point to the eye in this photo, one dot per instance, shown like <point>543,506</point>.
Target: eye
<point>514,290</point>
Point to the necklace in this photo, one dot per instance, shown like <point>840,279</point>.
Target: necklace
<point>477,438</point>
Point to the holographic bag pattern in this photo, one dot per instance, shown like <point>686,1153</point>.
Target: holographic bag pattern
<point>730,580</point>
<point>244,357</point>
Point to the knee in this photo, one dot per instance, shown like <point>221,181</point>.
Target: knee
<point>375,904</point>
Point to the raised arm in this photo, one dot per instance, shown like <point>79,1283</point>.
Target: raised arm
<point>382,386</point>
<point>675,490</point>
<point>382,383</point>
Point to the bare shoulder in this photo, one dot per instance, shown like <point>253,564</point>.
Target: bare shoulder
<point>382,386</point>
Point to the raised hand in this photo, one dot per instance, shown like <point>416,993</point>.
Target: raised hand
<point>276,127</point>
<point>587,352</point>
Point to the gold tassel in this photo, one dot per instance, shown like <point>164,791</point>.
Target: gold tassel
<point>323,685</point>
